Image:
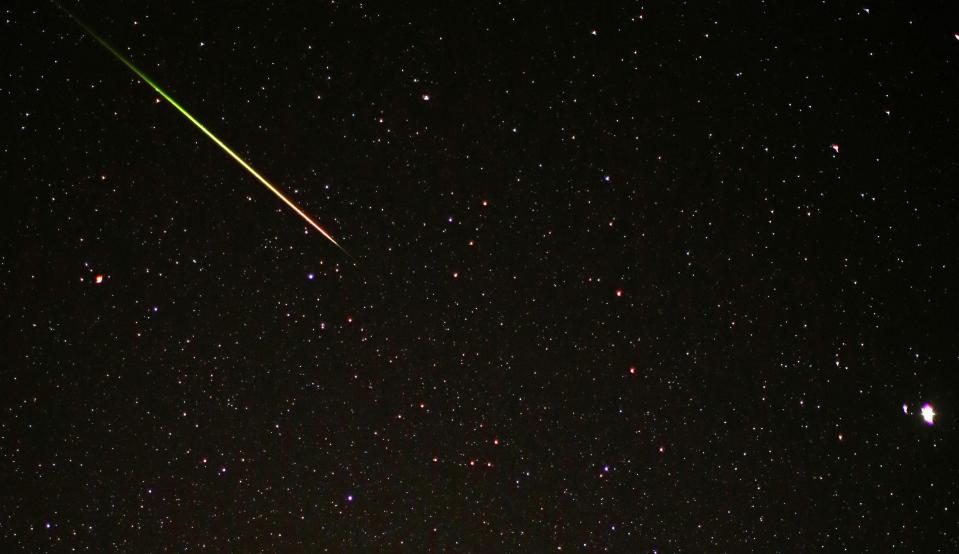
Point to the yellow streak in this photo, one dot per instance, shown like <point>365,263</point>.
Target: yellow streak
<point>206,131</point>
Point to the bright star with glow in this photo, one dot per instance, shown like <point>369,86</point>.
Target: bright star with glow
<point>928,414</point>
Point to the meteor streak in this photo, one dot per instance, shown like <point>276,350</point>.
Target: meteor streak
<point>200,126</point>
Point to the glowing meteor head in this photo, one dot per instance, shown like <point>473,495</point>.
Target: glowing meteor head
<point>928,414</point>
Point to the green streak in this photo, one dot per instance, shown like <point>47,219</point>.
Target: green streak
<point>146,78</point>
<point>200,126</point>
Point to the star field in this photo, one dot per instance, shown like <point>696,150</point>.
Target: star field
<point>630,277</point>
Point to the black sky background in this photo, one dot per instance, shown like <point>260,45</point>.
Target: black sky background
<point>539,196</point>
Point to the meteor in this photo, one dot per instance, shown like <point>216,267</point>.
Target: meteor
<point>146,79</point>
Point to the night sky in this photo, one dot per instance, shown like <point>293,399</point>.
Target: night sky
<point>662,277</point>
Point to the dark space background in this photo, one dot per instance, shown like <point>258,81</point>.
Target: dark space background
<point>615,288</point>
